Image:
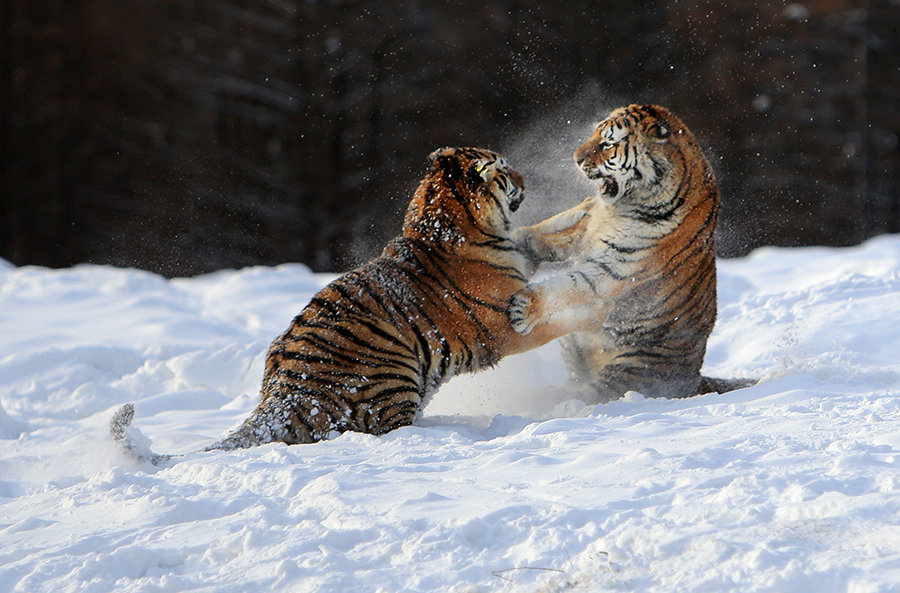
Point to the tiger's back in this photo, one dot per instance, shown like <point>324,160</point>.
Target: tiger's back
<point>369,349</point>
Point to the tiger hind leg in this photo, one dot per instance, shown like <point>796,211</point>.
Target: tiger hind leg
<point>272,421</point>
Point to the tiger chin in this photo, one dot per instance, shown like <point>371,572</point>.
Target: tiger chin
<point>369,349</point>
<point>643,262</point>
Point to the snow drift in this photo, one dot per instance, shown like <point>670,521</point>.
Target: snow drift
<point>512,481</point>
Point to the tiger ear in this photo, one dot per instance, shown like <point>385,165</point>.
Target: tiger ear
<point>446,150</point>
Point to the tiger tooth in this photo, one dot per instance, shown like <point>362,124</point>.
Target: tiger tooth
<point>609,186</point>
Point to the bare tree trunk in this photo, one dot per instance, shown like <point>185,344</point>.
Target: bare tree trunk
<point>6,113</point>
<point>882,118</point>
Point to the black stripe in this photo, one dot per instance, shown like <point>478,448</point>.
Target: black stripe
<point>386,393</point>
<point>587,278</point>
<point>337,351</point>
<point>465,201</point>
<point>606,268</point>
<point>621,249</point>
<point>315,360</point>
<point>349,335</point>
<point>309,427</point>
<point>458,295</point>
<point>357,315</point>
<point>404,413</point>
<point>644,354</point>
<point>419,315</point>
<point>333,403</point>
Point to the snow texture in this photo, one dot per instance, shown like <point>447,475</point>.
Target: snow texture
<point>510,482</point>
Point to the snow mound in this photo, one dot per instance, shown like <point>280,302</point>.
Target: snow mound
<point>512,481</point>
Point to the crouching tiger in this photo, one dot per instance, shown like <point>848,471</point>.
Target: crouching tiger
<point>644,261</point>
<point>370,348</point>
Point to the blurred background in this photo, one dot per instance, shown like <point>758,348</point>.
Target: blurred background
<point>182,136</point>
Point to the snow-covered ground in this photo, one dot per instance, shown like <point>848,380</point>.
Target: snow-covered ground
<point>508,483</point>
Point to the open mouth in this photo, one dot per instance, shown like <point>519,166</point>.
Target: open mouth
<point>608,185</point>
<point>515,200</point>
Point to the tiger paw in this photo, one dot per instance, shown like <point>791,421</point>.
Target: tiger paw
<point>521,311</point>
<point>554,238</point>
<point>564,221</point>
<point>527,243</point>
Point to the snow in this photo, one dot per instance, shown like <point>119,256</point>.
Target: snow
<point>510,482</point>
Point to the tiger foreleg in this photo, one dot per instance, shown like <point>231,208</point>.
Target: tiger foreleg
<point>555,238</point>
<point>574,301</point>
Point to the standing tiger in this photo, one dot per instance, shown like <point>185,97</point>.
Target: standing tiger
<point>644,261</point>
<point>370,348</point>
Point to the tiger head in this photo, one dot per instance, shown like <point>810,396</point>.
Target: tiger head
<point>465,186</point>
<point>635,151</point>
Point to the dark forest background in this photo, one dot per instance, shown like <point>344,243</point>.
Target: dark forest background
<point>184,136</point>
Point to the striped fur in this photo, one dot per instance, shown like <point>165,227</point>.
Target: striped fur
<point>368,350</point>
<point>644,261</point>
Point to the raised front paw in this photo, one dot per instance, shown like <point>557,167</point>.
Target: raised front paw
<point>526,242</point>
<point>522,311</point>
<point>564,221</point>
<point>555,238</point>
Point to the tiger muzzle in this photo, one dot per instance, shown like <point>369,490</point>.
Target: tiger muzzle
<point>518,192</point>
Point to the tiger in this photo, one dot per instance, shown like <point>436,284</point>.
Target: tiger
<point>644,261</point>
<point>369,350</point>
